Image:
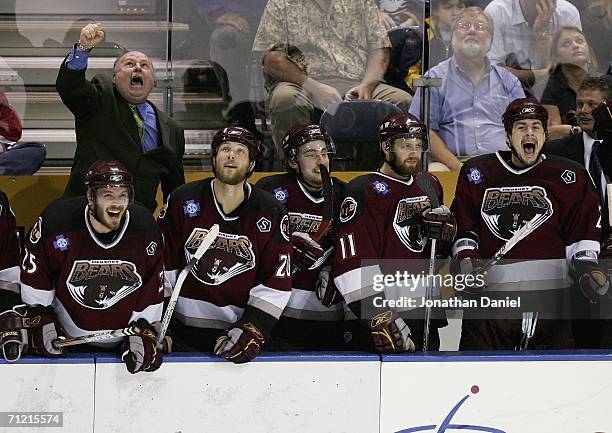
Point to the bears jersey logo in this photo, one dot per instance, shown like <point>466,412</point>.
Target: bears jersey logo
<point>407,232</point>
<point>304,222</point>
<point>228,256</point>
<point>507,209</point>
<point>100,284</point>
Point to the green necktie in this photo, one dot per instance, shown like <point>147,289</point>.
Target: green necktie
<point>139,122</point>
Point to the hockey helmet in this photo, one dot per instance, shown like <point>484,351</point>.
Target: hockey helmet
<point>524,108</point>
<point>399,125</point>
<point>107,174</point>
<point>303,133</point>
<point>239,135</point>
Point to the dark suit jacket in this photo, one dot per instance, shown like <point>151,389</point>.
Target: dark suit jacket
<point>573,148</point>
<point>106,130</point>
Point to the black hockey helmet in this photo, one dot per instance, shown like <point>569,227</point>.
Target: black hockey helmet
<point>398,125</point>
<point>108,174</point>
<point>524,108</point>
<point>303,133</point>
<point>239,135</point>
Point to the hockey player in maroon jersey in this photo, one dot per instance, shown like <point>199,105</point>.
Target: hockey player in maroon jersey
<point>384,223</point>
<point>95,263</point>
<point>13,331</point>
<point>234,296</point>
<point>499,193</point>
<point>311,320</point>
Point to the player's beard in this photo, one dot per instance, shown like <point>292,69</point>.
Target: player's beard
<point>404,170</point>
<point>111,224</point>
<point>235,178</point>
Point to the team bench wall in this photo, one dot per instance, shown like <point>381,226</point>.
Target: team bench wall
<point>29,195</point>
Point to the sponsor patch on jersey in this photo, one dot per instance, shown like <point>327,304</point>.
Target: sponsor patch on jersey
<point>228,256</point>
<point>568,177</point>
<point>191,208</point>
<point>284,227</point>
<point>264,225</point>
<point>61,243</point>
<point>100,284</point>
<point>304,222</point>
<point>380,187</point>
<point>475,176</point>
<point>348,209</point>
<point>281,195</point>
<point>505,210</point>
<point>36,231</point>
<point>151,248</point>
<point>403,223</point>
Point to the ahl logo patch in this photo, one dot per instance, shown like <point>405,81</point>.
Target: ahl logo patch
<point>61,243</point>
<point>100,284</point>
<point>191,208</point>
<point>380,187</point>
<point>568,177</point>
<point>281,195</point>
<point>348,209</point>
<point>36,231</point>
<point>264,225</point>
<point>507,209</point>
<point>230,255</point>
<point>475,176</point>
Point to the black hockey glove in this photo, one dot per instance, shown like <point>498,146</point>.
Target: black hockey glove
<point>305,251</point>
<point>467,269</point>
<point>42,332</point>
<point>440,224</point>
<point>241,343</point>
<point>13,332</point>
<point>390,333</point>
<point>592,281</point>
<point>140,352</point>
<point>606,249</point>
<point>327,292</point>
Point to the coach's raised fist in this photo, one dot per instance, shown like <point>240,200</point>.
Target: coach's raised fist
<point>91,35</point>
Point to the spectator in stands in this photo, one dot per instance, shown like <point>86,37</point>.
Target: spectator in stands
<point>443,14</point>
<point>466,111</point>
<point>21,159</point>
<point>235,23</point>
<point>523,34</point>
<point>572,61</point>
<point>316,52</point>
<point>597,19</point>
<point>400,13</point>
<point>114,121</point>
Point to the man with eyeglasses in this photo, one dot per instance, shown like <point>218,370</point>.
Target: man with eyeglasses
<point>465,111</point>
<point>313,318</point>
<point>385,221</point>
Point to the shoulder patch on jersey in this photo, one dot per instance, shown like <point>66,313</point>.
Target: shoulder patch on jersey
<point>191,208</point>
<point>381,187</point>
<point>475,176</point>
<point>264,225</point>
<point>348,209</point>
<point>281,195</point>
<point>36,231</point>
<point>61,243</point>
<point>151,248</point>
<point>568,177</point>
<point>100,284</point>
<point>284,227</point>
<point>506,209</point>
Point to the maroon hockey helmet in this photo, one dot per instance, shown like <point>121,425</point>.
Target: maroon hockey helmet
<point>398,125</point>
<point>524,108</point>
<point>106,174</point>
<point>303,133</point>
<point>239,135</point>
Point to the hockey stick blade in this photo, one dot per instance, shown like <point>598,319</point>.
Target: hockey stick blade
<point>95,337</point>
<point>328,203</point>
<point>206,243</point>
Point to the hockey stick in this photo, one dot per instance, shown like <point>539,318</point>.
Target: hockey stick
<point>518,236</point>
<point>95,337</point>
<point>424,183</point>
<point>206,243</point>
<point>609,190</point>
<point>328,203</point>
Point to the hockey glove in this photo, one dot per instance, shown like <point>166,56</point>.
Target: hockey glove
<point>606,248</point>
<point>592,282</point>
<point>13,333</point>
<point>305,251</point>
<point>390,333</point>
<point>241,343</point>
<point>603,119</point>
<point>440,224</point>
<point>473,278</point>
<point>327,292</point>
<point>140,352</point>
<point>42,333</point>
